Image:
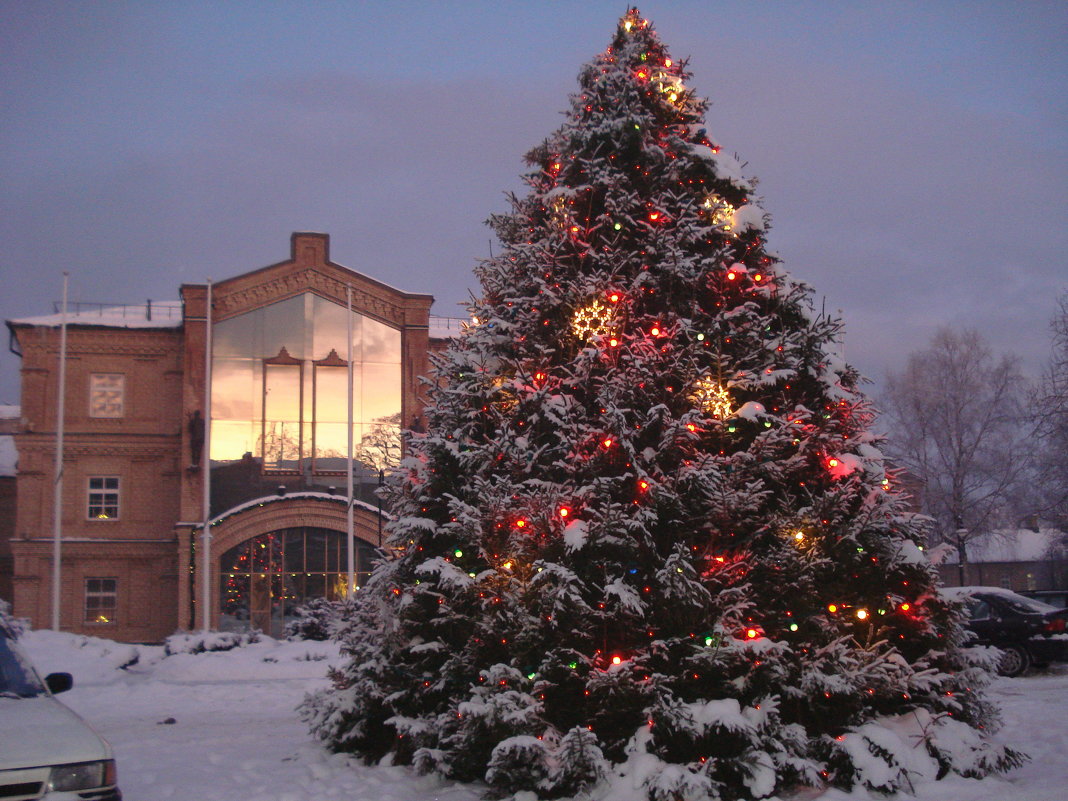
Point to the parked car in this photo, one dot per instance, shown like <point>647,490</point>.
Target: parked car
<point>1028,632</point>
<point>46,750</point>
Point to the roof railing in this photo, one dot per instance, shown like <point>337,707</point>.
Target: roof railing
<point>149,310</point>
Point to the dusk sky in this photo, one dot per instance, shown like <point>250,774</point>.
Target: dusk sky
<point>912,155</point>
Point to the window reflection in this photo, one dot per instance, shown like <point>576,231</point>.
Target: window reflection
<point>265,579</point>
<point>280,387</point>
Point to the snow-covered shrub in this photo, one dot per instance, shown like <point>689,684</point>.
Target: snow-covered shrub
<point>316,620</point>
<point>15,625</point>
<point>203,641</point>
<point>579,764</point>
<point>517,763</point>
<point>959,748</point>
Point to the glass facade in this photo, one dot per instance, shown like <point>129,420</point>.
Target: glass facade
<point>280,388</point>
<point>265,579</point>
<point>279,422</point>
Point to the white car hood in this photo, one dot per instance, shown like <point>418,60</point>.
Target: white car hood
<point>41,731</point>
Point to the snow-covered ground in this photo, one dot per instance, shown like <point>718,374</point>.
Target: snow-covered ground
<point>222,725</point>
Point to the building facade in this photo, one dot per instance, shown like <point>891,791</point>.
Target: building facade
<point>141,437</point>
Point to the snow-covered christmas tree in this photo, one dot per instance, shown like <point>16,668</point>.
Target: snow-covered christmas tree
<point>647,533</point>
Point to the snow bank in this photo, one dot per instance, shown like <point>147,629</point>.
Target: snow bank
<point>90,660</point>
<point>93,661</point>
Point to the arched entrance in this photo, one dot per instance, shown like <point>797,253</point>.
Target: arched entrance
<point>277,552</point>
<point>264,580</point>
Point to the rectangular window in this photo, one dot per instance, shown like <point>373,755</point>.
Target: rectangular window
<point>107,394</point>
<point>101,599</point>
<point>103,498</point>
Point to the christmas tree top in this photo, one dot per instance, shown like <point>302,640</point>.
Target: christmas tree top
<point>647,539</point>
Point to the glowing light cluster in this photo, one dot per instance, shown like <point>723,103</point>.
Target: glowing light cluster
<point>561,217</point>
<point>595,320</point>
<point>670,86</point>
<point>633,22</point>
<point>712,397</point>
<point>719,213</point>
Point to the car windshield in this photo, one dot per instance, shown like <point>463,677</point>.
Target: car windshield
<point>17,678</point>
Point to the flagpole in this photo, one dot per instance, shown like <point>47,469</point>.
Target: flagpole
<point>351,536</point>
<point>57,488</point>
<point>205,461</point>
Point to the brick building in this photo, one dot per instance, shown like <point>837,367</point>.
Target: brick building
<point>134,464</point>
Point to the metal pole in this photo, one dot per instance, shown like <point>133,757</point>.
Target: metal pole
<point>378,495</point>
<point>57,486</point>
<point>205,461</point>
<point>351,535</point>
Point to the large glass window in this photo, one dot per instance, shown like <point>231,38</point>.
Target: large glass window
<point>280,388</point>
<point>265,579</point>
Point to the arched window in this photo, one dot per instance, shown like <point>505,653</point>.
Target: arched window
<point>265,579</point>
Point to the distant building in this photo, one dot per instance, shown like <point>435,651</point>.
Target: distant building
<point>137,439</point>
<point>1023,560</point>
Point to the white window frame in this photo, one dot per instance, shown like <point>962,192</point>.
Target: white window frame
<point>110,487</point>
<point>102,405</point>
<point>98,595</point>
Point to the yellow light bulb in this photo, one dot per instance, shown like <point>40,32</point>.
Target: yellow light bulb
<point>713,398</point>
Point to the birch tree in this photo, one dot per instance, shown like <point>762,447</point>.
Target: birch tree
<point>958,424</point>
<point>1052,423</point>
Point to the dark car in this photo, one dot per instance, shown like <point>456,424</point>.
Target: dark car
<point>1028,632</point>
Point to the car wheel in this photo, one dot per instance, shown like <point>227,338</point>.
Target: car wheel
<point>1014,661</point>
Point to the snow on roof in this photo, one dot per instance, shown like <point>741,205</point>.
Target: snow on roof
<point>167,314</point>
<point>9,412</point>
<point>446,327</point>
<point>9,457</point>
<point>289,496</point>
<point>1022,545</point>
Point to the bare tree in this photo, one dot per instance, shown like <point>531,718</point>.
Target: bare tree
<point>380,447</point>
<point>957,423</point>
<point>1052,423</point>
